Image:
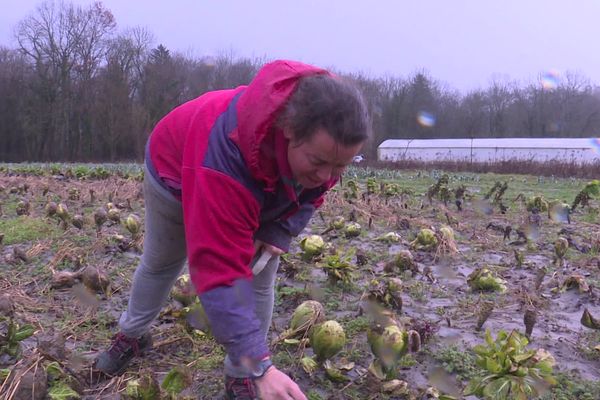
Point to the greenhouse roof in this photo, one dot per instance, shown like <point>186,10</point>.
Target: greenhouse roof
<point>537,143</point>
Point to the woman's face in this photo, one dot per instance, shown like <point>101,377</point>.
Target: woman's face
<point>315,161</point>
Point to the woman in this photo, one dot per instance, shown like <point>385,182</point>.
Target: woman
<point>231,177</point>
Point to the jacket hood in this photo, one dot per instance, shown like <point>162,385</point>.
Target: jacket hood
<point>258,108</point>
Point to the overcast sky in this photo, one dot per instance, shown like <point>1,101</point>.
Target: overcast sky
<point>463,43</point>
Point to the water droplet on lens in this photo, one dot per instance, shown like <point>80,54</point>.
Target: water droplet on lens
<point>595,144</point>
<point>549,80</point>
<point>532,232</point>
<point>483,206</point>
<point>559,213</point>
<point>425,119</point>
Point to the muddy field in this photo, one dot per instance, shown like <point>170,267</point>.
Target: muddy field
<point>65,277</point>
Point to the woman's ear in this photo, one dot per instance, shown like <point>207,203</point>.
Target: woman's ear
<point>288,134</point>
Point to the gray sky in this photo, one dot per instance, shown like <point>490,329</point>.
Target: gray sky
<point>463,43</point>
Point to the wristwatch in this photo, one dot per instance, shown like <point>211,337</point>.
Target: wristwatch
<point>258,369</point>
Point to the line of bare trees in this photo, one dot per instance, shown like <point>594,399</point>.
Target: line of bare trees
<point>76,89</point>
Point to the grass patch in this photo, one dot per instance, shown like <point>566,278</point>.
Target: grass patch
<point>82,240</point>
<point>284,292</point>
<point>458,361</point>
<point>407,362</point>
<point>312,395</point>
<point>417,290</point>
<point>590,215</point>
<point>355,354</point>
<point>26,229</point>
<point>587,343</point>
<point>283,359</point>
<point>355,325</point>
<point>570,387</point>
<point>418,181</point>
<point>211,361</point>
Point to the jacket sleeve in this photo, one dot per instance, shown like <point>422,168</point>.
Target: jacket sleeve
<point>220,218</point>
<point>279,233</point>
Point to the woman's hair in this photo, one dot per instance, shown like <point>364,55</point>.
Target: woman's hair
<point>330,103</point>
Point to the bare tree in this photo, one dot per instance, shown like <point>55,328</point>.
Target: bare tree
<point>473,113</point>
<point>74,89</point>
<point>65,44</point>
<point>499,96</point>
<point>15,73</point>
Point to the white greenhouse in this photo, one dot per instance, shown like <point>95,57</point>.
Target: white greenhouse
<point>491,150</point>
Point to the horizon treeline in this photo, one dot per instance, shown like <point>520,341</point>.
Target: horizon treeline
<point>75,88</point>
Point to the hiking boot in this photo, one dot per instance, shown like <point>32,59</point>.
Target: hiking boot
<point>240,389</point>
<point>121,352</point>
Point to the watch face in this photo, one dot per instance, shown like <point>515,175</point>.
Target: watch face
<point>260,368</point>
<point>255,368</point>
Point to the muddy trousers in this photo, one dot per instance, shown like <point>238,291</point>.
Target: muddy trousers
<point>162,262</point>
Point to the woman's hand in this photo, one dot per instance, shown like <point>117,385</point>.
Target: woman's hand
<point>275,385</point>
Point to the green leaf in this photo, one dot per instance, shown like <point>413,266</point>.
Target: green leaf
<point>535,374</point>
<point>519,389</point>
<point>589,321</point>
<point>519,358</point>
<point>54,370</point>
<point>497,389</point>
<point>13,349</point>
<point>377,370</point>
<point>62,391</point>
<point>500,357</point>
<point>492,366</point>
<point>545,367</point>
<point>144,388</point>
<point>592,188</point>
<point>481,350</point>
<point>309,365</point>
<point>473,388</point>
<point>520,396</point>
<point>480,362</point>
<point>177,380</point>
<point>24,332</point>
<point>4,373</point>
<point>335,375</point>
<point>502,335</point>
<point>550,380</point>
<point>11,330</point>
<point>516,341</point>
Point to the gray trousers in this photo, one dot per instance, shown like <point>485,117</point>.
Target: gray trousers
<point>162,262</point>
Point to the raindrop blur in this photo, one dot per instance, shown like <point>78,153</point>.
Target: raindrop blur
<point>541,386</point>
<point>595,144</point>
<point>531,231</point>
<point>549,80</point>
<point>444,268</point>
<point>425,119</point>
<point>197,318</point>
<point>76,361</point>
<point>316,292</point>
<point>84,296</point>
<point>483,206</point>
<point>377,110</point>
<point>443,380</point>
<point>209,61</point>
<point>559,213</point>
